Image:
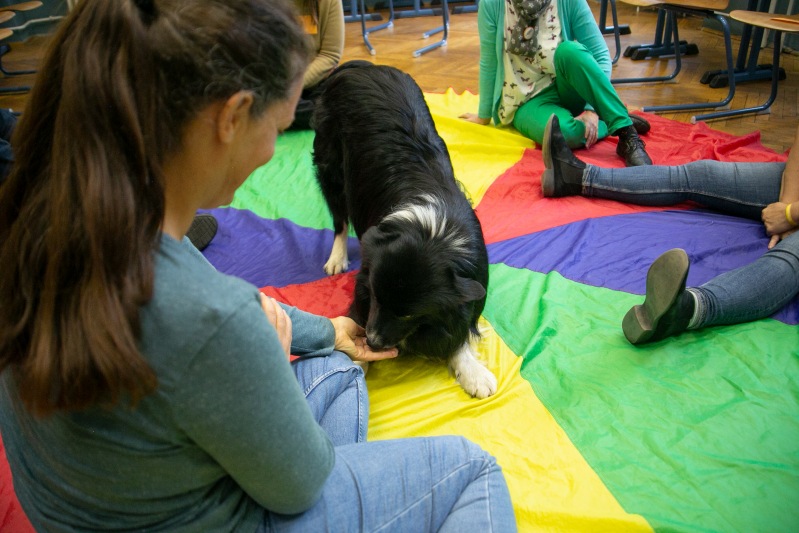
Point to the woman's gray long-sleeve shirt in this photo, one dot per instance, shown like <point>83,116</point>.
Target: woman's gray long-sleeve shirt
<point>226,434</point>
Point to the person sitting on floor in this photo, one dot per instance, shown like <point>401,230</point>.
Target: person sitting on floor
<point>323,21</point>
<point>539,57</point>
<point>140,388</point>
<point>758,191</point>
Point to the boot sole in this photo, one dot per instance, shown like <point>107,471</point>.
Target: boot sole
<point>546,152</point>
<point>548,177</point>
<point>640,124</point>
<point>548,183</point>
<point>665,281</point>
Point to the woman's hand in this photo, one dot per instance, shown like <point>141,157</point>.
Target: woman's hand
<point>591,122</point>
<point>279,319</point>
<point>776,222</point>
<point>773,216</point>
<point>472,117</point>
<point>351,339</point>
<point>777,238</point>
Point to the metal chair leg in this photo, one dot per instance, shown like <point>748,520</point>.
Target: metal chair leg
<point>775,79</point>
<point>19,89</point>
<point>366,31</point>
<point>617,30</point>
<point>355,16</point>
<point>730,69</point>
<point>671,24</point>
<point>4,49</point>
<point>444,28</point>
<point>466,9</point>
<point>623,29</point>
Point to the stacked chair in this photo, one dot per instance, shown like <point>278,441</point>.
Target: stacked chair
<point>667,42</point>
<point>444,28</point>
<point>779,24</point>
<point>7,13</point>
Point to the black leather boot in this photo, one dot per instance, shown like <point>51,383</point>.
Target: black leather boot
<point>640,124</point>
<point>631,147</point>
<point>667,307</point>
<point>564,172</point>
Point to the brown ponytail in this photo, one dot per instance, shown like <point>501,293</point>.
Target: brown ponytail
<point>80,214</point>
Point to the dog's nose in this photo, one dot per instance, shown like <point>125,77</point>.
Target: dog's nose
<point>376,342</point>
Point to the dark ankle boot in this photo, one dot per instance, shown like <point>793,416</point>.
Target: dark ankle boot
<point>564,172</point>
<point>667,307</point>
<point>631,147</point>
<point>640,124</point>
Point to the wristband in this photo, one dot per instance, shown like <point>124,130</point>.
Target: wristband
<point>788,216</point>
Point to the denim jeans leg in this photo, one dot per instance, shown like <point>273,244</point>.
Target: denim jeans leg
<point>739,189</point>
<point>753,291</point>
<point>335,390</point>
<point>445,484</point>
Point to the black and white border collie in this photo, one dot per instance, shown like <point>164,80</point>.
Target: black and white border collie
<point>382,166</point>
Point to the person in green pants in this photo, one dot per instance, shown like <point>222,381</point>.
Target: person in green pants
<point>545,57</point>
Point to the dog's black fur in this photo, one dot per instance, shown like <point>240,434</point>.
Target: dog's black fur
<point>377,153</point>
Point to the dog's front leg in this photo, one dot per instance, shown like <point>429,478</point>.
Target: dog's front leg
<point>338,261</point>
<point>477,380</point>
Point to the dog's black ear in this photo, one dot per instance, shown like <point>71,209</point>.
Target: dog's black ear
<point>371,236</point>
<point>469,289</point>
<point>377,236</point>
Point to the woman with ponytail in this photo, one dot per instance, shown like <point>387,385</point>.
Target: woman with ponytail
<point>140,389</point>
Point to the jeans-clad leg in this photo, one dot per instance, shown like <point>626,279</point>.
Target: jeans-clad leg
<point>740,189</point>
<point>335,389</point>
<point>445,484</point>
<point>753,291</point>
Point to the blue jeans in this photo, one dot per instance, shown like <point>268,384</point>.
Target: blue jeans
<point>747,293</point>
<point>446,484</point>
<point>753,291</point>
<point>739,189</point>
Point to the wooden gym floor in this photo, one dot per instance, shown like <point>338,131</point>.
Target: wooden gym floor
<point>456,65</point>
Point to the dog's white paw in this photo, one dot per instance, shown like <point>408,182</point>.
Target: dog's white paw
<point>477,380</point>
<point>336,266</point>
<point>338,261</point>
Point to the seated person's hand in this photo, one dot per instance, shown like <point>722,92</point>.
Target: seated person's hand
<point>591,122</point>
<point>776,222</point>
<point>279,319</point>
<point>472,117</point>
<point>351,339</point>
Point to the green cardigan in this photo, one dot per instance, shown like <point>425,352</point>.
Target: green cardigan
<point>577,24</point>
